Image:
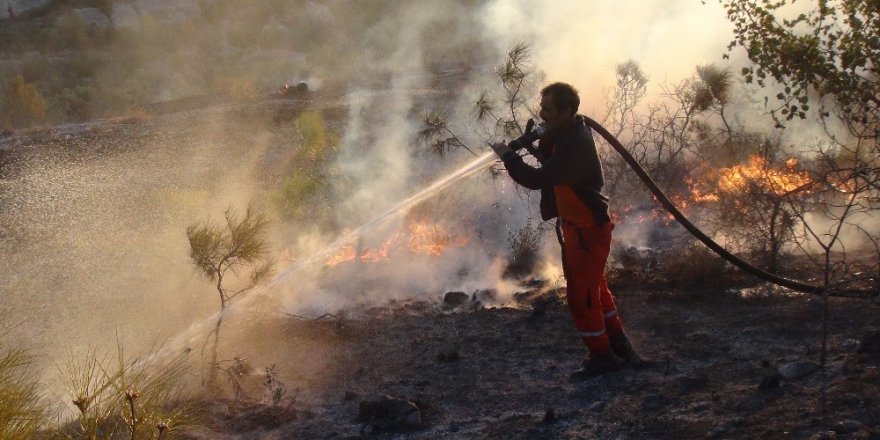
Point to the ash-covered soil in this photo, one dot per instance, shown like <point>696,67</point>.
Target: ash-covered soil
<point>502,372</point>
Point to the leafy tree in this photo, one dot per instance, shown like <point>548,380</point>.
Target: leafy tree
<point>219,251</point>
<point>833,50</point>
<point>630,89</point>
<point>501,115</point>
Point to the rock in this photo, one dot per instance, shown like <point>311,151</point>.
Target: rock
<point>301,90</point>
<point>870,343</point>
<point>485,295</point>
<point>848,426</point>
<point>389,414</point>
<point>453,300</point>
<point>549,416</point>
<point>797,369</point>
<point>850,344</point>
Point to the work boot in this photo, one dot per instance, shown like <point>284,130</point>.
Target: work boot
<point>597,365</point>
<point>621,346</point>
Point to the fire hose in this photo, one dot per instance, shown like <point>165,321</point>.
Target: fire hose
<point>799,286</point>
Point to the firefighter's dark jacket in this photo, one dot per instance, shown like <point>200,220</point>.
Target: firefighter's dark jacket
<point>570,159</point>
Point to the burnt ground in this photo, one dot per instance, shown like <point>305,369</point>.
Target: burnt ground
<point>502,372</point>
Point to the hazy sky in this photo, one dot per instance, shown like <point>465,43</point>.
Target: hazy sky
<point>581,41</point>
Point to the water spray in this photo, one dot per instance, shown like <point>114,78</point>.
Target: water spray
<point>532,133</point>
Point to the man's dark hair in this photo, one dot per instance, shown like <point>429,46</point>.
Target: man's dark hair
<point>564,95</point>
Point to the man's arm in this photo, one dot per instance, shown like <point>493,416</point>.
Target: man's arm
<point>552,172</point>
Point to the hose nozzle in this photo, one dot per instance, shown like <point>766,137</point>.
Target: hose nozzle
<point>532,134</point>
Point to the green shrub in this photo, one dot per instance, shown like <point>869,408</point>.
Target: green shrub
<point>23,103</point>
<point>318,141</point>
<point>295,196</point>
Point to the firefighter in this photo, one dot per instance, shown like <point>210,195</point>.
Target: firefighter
<point>570,179</point>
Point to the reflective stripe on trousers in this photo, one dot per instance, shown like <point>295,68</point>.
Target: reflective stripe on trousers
<point>592,305</point>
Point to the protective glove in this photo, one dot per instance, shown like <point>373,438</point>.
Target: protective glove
<point>500,148</point>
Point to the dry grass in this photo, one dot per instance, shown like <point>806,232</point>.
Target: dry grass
<point>127,398</point>
<point>21,407</point>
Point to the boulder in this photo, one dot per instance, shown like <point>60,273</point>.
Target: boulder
<point>485,295</point>
<point>797,370</point>
<point>453,300</point>
<point>389,414</point>
<point>301,90</point>
<point>848,426</point>
<point>850,344</point>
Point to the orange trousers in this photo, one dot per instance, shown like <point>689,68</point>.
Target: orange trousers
<point>584,254</point>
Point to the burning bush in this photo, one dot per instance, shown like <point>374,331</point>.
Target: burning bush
<point>757,203</point>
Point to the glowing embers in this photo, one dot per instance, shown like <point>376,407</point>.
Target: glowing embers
<point>420,238</point>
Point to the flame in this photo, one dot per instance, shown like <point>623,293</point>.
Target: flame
<point>432,239</point>
<point>380,254</point>
<point>757,174</point>
<point>347,253</point>
<point>421,238</point>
